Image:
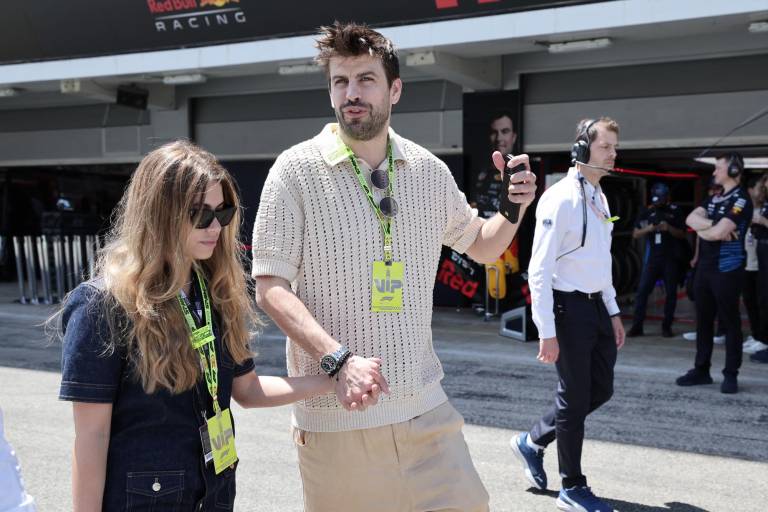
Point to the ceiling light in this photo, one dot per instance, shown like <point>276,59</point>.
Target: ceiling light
<point>9,92</point>
<point>420,59</point>
<point>577,46</point>
<point>756,163</point>
<point>193,78</point>
<point>758,26</point>
<point>69,86</point>
<point>298,69</point>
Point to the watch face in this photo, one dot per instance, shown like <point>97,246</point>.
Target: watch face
<point>328,363</point>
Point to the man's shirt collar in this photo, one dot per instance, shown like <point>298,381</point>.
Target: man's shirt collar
<point>333,149</point>
<point>576,175</point>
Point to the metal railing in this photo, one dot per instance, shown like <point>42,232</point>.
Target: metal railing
<point>52,265</point>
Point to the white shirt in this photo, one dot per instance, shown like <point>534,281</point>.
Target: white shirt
<point>750,246</point>
<point>559,228</point>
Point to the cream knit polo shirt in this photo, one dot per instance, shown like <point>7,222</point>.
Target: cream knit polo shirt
<point>316,229</point>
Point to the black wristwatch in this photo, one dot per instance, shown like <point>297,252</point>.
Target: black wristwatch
<point>332,363</point>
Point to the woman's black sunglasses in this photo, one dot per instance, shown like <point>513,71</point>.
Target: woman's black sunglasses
<point>203,217</point>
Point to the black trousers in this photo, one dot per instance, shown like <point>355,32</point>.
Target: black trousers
<point>656,268</point>
<point>762,286</point>
<point>585,372</point>
<point>718,293</point>
<point>754,304</point>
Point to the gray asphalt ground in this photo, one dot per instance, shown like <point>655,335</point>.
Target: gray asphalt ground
<point>655,447</point>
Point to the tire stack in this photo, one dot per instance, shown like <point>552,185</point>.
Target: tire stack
<point>626,199</point>
<point>627,265</point>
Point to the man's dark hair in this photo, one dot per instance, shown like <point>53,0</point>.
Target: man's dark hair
<point>353,40</point>
<point>610,125</point>
<point>732,155</point>
<point>502,113</point>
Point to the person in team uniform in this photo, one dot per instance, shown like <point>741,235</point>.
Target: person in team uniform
<point>721,223</point>
<point>664,226</point>
<point>759,229</point>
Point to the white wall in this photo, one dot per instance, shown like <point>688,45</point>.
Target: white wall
<point>658,122</point>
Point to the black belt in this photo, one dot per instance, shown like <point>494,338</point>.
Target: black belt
<point>576,293</point>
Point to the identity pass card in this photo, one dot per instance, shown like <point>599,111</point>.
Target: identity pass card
<point>387,287</point>
<point>222,437</point>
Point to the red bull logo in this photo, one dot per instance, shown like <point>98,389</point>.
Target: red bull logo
<point>170,6</point>
<point>217,3</point>
<point>449,276</point>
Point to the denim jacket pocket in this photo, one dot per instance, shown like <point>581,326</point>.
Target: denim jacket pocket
<point>154,491</point>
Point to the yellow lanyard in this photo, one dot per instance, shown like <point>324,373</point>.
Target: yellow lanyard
<point>202,340</point>
<point>384,221</point>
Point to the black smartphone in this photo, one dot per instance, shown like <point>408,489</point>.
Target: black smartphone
<point>510,210</point>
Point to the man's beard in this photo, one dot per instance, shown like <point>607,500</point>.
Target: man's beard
<point>359,129</point>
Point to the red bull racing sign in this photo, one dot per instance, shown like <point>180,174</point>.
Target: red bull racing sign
<point>181,15</point>
<point>32,30</point>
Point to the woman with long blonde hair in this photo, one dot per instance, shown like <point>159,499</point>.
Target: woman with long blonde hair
<point>157,342</point>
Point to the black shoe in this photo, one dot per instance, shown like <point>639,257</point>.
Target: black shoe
<point>730,385</point>
<point>666,332</point>
<point>694,378</point>
<point>635,331</point>
<point>761,356</point>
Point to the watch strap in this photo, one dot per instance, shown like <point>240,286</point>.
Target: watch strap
<point>340,363</point>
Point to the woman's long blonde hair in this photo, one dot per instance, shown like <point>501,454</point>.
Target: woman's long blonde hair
<point>143,266</point>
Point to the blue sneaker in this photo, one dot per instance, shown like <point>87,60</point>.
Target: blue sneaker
<point>581,499</point>
<point>533,460</point>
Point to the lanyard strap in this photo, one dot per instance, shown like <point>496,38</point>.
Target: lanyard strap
<point>202,341</point>
<point>597,207</point>
<point>600,211</point>
<point>384,221</point>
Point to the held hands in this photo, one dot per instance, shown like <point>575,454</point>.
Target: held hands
<point>522,185</point>
<point>360,382</point>
<point>549,350</point>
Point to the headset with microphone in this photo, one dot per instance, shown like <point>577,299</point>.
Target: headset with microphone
<point>580,155</point>
<point>735,165</point>
<point>580,150</point>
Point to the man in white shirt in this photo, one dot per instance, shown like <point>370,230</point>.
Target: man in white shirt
<point>574,308</point>
<point>345,251</point>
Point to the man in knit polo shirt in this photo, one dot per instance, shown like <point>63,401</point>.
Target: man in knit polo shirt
<point>345,250</point>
